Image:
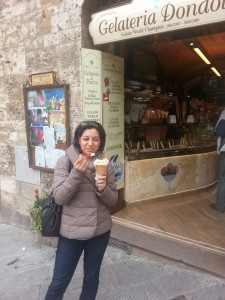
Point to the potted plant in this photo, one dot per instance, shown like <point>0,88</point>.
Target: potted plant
<point>36,217</point>
<point>37,207</point>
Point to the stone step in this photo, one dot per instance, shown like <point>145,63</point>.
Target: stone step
<point>191,252</point>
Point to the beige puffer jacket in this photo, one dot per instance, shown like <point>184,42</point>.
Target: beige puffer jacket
<point>85,210</point>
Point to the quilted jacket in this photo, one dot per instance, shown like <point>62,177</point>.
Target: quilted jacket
<point>85,210</point>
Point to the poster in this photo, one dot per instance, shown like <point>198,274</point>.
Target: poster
<point>91,78</point>
<point>113,113</point>
<point>57,121</point>
<point>103,89</point>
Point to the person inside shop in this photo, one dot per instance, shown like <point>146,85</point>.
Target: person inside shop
<point>220,132</point>
<point>86,220</point>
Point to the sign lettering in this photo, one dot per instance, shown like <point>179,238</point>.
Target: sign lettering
<point>145,18</point>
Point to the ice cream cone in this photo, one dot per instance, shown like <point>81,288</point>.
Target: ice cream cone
<point>100,170</point>
<point>100,167</point>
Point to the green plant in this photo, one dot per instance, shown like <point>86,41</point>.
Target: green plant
<point>37,207</point>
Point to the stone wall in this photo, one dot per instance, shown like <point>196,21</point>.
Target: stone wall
<point>36,36</point>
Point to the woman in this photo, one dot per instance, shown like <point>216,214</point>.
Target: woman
<point>86,221</point>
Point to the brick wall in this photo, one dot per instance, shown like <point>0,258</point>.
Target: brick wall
<point>35,36</point>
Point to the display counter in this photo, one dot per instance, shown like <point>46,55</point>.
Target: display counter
<point>150,179</point>
<point>146,141</point>
<point>163,159</point>
<point>170,143</point>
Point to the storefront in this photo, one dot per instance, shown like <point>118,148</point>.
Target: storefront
<point>172,98</point>
<point>163,152</point>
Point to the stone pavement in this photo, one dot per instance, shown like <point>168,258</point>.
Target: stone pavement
<point>26,268</point>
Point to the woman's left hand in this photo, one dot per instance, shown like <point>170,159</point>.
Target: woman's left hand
<point>101,183</point>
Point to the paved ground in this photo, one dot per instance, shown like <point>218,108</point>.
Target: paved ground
<point>26,269</point>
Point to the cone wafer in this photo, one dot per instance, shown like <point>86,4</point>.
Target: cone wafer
<point>100,166</point>
<point>100,169</point>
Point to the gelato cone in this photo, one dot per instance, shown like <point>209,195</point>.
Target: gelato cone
<point>100,166</point>
<point>100,169</point>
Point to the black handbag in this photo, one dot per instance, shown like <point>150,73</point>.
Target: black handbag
<point>51,217</point>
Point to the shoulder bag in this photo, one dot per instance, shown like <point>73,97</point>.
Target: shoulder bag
<point>51,216</point>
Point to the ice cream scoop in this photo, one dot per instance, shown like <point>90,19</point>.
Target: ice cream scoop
<point>99,162</point>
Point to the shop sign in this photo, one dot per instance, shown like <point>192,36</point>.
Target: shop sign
<point>148,17</point>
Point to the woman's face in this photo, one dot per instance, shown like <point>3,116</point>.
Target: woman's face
<point>89,141</point>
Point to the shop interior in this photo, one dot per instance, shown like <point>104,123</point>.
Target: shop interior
<point>173,98</point>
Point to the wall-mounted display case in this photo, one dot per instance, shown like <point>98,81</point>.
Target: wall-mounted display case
<point>47,124</point>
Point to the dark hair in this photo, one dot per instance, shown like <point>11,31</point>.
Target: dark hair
<point>89,125</point>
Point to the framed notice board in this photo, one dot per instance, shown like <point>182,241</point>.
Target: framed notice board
<point>47,124</point>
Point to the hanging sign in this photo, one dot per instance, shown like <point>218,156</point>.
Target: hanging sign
<point>148,17</point>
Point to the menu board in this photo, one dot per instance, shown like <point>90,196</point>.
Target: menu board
<point>113,112</point>
<point>47,124</point>
<point>92,84</point>
<point>103,92</point>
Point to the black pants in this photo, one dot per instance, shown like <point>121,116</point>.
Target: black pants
<point>68,254</point>
<point>220,201</point>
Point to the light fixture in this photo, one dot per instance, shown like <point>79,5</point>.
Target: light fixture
<point>200,54</point>
<point>216,72</point>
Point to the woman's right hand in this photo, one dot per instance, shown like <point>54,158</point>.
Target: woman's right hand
<point>82,162</point>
